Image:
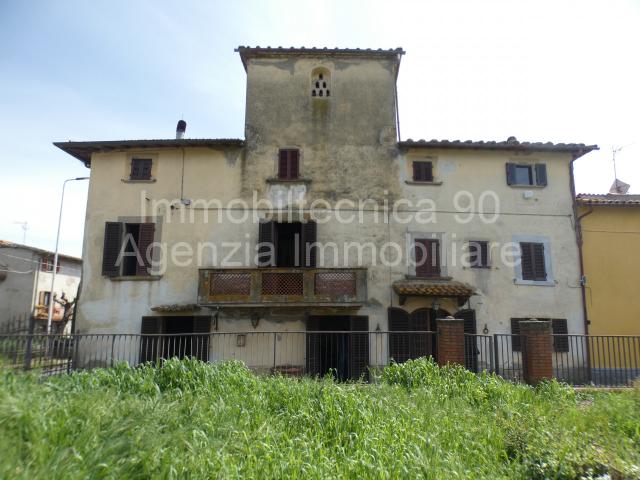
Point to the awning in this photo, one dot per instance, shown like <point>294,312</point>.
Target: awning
<point>433,288</point>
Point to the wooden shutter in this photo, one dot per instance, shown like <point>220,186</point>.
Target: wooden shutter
<point>516,344</point>
<point>399,349</point>
<point>511,174</point>
<point>470,344</point>
<point>288,164</point>
<point>478,254</point>
<point>359,348</point>
<point>111,248</point>
<point>427,256</point>
<point>420,344</point>
<point>266,240</point>
<point>423,171</point>
<point>560,331</point>
<point>541,174</point>
<point>141,168</point>
<point>150,347</point>
<point>145,239</point>
<point>309,237</point>
<point>200,346</point>
<point>313,346</point>
<point>532,261</point>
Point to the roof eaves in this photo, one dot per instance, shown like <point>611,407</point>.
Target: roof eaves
<point>579,148</point>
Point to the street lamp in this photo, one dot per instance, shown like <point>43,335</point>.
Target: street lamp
<point>55,257</point>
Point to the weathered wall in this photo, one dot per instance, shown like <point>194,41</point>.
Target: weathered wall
<point>16,290</point>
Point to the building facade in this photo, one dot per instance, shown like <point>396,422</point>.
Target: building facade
<point>25,287</point>
<point>610,234</point>
<point>321,220</point>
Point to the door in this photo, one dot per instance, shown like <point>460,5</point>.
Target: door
<point>470,343</point>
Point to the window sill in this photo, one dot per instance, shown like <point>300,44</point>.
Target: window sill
<point>286,180</point>
<point>540,283</point>
<point>135,278</point>
<point>527,186</point>
<point>131,180</point>
<point>414,182</point>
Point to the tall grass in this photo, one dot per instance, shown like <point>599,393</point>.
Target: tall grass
<point>187,419</point>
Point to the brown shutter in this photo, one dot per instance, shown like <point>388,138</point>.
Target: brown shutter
<point>560,331</point>
<point>359,348</point>
<point>516,344</point>
<point>200,347</point>
<point>111,248</point>
<point>145,239</point>
<point>283,164</point>
<point>538,261</point>
<point>399,349</point>
<point>288,163</point>
<point>427,257</point>
<point>313,346</point>
<point>294,156</point>
<point>309,237</point>
<point>266,237</point>
<point>532,261</point>
<point>470,348</point>
<point>422,171</point>
<point>150,347</point>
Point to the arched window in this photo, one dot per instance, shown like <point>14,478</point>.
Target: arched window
<point>320,83</point>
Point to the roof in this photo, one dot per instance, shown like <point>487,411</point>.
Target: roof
<point>8,244</point>
<point>608,199</point>
<point>258,51</point>
<point>511,144</point>
<point>83,150</point>
<point>433,288</point>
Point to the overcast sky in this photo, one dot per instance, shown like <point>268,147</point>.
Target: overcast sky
<point>104,70</point>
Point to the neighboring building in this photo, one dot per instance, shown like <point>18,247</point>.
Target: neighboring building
<point>321,134</point>
<point>25,287</point>
<point>611,257</point>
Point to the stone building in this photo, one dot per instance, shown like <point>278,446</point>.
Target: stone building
<point>321,220</point>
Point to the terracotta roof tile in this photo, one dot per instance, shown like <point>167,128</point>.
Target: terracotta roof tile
<point>510,144</point>
<point>604,199</point>
<point>433,288</point>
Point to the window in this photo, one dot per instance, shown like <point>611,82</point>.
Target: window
<point>427,257</point>
<point>46,264</point>
<point>320,87</point>
<point>478,254</point>
<point>527,174</point>
<point>532,261</point>
<point>288,163</point>
<point>44,298</point>
<point>558,328</point>
<point>560,331</point>
<point>127,249</point>
<point>287,244</point>
<point>141,169</point>
<point>422,171</point>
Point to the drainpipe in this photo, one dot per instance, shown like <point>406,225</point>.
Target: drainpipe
<point>578,226</point>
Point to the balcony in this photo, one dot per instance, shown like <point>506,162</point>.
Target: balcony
<point>280,287</point>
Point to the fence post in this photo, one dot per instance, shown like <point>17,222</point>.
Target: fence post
<point>537,351</point>
<point>450,341</point>
<point>29,350</point>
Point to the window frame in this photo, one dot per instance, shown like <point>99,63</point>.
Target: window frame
<point>519,280</point>
<point>46,265</point>
<point>422,169</point>
<point>144,271</point>
<point>146,160</point>
<point>537,172</point>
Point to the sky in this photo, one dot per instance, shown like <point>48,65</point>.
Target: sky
<point>556,71</point>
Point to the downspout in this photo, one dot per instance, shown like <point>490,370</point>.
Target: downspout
<point>578,226</point>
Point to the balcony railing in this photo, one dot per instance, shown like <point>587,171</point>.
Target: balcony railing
<point>282,286</point>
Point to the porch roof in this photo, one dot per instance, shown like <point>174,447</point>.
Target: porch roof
<point>433,288</point>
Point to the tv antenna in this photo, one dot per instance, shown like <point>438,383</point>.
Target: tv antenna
<point>618,185</point>
<point>25,227</point>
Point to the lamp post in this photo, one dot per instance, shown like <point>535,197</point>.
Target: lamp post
<point>55,256</point>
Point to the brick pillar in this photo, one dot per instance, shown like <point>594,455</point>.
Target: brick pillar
<point>537,352</point>
<point>450,340</point>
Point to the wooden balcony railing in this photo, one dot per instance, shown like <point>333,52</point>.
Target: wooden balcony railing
<point>282,286</point>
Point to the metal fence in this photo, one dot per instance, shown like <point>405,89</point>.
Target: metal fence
<point>577,359</point>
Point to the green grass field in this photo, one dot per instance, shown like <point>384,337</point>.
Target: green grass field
<point>193,420</point>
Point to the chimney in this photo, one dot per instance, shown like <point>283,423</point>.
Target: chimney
<point>180,129</point>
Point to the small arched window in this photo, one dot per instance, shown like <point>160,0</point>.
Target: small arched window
<point>320,83</point>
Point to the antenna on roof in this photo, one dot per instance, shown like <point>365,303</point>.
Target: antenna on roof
<point>25,227</point>
<point>618,186</point>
